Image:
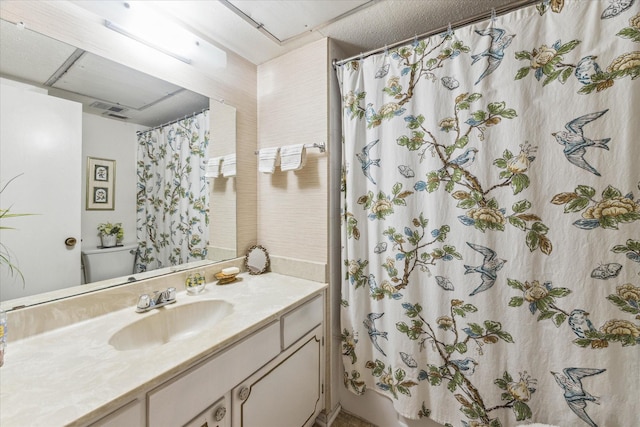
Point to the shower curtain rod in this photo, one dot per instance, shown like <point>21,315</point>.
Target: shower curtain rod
<point>171,122</point>
<point>477,18</point>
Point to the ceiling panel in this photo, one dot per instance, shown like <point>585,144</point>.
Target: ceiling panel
<point>26,55</point>
<point>288,19</point>
<point>100,78</point>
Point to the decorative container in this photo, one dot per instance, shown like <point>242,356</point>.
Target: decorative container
<point>109,240</point>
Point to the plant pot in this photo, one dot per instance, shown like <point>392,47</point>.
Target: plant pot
<point>109,240</point>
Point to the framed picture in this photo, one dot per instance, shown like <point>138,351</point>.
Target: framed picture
<point>101,178</point>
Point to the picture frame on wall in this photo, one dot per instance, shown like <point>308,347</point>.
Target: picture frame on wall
<point>101,177</point>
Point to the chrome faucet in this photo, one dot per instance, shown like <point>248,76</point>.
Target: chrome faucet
<point>148,302</point>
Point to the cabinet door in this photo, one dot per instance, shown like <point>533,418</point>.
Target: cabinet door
<point>286,392</point>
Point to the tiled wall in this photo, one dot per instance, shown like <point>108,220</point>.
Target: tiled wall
<point>292,109</point>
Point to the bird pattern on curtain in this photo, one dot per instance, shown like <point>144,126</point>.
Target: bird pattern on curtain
<point>173,198</point>
<point>491,220</point>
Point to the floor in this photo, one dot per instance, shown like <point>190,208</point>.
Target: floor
<point>345,419</point>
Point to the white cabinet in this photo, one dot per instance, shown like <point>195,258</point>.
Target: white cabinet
<point>130,415</point>
<point>216,415</point>
<point>285,393</point>
<point>176,403</point>
<point>272,378</point>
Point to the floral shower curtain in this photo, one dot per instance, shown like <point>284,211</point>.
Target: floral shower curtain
<point>173,196</point>
<point>491,220</point>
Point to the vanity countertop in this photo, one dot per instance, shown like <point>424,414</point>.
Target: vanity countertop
<point>71,375</point>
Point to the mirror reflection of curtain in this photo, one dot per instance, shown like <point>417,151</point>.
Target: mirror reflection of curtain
<point>172,199</point>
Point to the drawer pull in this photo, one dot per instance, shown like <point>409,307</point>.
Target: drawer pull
<point>244,393</point>
<point>220,413</point>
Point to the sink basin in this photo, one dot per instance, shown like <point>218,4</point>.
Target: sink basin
<point>170,323</point>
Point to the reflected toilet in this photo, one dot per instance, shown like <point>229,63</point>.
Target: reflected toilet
<point>102,264</point>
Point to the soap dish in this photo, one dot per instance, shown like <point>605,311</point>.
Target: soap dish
<point>223,279</point>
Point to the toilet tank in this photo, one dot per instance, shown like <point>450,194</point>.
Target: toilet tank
<point>107,263</point>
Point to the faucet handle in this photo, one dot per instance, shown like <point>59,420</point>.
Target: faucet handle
<point>144,301</point>
<point>170,294</point>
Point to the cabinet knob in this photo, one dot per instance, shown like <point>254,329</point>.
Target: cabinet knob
<point>244,393</point>
<point>220,413</point>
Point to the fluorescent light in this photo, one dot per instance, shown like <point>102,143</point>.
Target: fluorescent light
<point>115,27</point>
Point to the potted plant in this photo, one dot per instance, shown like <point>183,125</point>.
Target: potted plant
<point>110,234</point>
<point>5,253</point>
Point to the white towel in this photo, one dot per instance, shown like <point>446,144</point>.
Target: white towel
<point>292,157</point>
<point>267,159</point>
<point>229,165</point>
<point>213,167</point>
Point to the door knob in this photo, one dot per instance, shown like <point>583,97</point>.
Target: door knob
<point>220,413</point>
<point>70,242</point>
<point>244,393</point>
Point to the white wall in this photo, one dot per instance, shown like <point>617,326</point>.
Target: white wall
<point>114,140</point>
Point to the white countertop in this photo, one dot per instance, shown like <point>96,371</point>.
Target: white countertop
<point>71,375</point>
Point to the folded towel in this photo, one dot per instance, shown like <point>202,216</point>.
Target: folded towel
<point>213,167</point>
<point>292,157</point>
<point>267,159</point>
<point>229,165</point>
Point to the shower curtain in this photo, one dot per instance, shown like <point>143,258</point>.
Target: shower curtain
<point>491,220</point>
<point>173,197</point>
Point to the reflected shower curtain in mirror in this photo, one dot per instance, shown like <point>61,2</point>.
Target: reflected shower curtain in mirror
<point>491,220</point>
<point>172,197</point>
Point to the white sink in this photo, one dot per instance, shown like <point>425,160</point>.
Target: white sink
<point>170,323</point>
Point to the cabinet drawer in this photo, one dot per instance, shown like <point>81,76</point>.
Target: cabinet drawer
<point>131,414</point>
<point>177,402</point>
<point>217,415</point>
<point>301,320</point>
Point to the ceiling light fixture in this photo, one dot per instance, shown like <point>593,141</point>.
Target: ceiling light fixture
<point>115,27</point>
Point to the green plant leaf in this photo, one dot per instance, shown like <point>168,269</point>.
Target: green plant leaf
<point>567,47</point>
<point>521,206</point>
<point>540,228</point>
<point>461,347</point>
<point>519,182</point>
<point>576,205</point>
<point>517,222</point>
<point>501,163</point>
<point>559,319</point>
<point>515,284</point>
<point>522,73</point>
<point>585,191</point>
<point>462,141</point>
<point>566,73</point>
<point>559,292</point>
<point>521,410</point>
<point>516,301</point>
<point>508,113</point>
<point>505,336</point>
<point>610,193</point>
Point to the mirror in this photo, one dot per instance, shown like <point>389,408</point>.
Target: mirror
<point>257,260</point>
<point>115,100</point>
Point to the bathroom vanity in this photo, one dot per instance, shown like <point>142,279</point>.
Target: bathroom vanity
<point>250,353</point>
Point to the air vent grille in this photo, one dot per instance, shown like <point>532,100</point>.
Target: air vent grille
<point>109,107</point>
<point>116,116</point>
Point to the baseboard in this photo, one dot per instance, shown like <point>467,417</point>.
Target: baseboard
<point>326,419</point>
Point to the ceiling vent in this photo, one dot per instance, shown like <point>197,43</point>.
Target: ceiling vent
<point>115,116</point>
<point>109,107</point>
